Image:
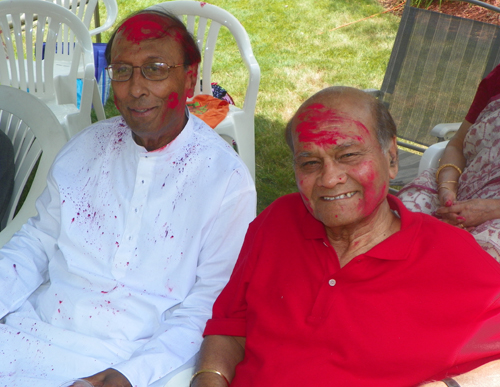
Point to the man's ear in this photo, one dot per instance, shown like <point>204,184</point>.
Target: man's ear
<point>191,77</point>
<point>392,153</point>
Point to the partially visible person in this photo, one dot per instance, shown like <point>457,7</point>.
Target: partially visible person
<point>137,233</point>
<point>341,285</point>
<point>6,173</point>
<point>465,189</point>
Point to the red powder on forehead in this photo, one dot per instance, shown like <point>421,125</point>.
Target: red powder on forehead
<point>316,116</point>
<point>145,26</point>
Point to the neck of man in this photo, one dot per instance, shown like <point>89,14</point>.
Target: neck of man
<point>353,240</point>
<point>155,142</point>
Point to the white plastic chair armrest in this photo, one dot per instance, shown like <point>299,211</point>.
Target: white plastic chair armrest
<point>431,156</point>
<point>253,85</point>
<point>181,379</point>
<point>443,130</point>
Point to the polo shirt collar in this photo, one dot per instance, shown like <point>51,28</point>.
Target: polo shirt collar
<point>400,242</point>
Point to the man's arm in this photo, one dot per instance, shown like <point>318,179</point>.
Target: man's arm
<point>219,353</point>
<point>488,375</point>
<point>24,259</point>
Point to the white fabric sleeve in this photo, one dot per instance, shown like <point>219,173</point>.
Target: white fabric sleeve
<point>24,259</point>
<point>182,328</point>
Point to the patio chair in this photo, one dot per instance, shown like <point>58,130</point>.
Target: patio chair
<point>37,136</point>
<point>204,21</point>
<point>31,42</point>
<point>85,10</point>
<point>435,67</point>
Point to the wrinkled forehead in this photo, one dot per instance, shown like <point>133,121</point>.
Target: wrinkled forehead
<point>327,124</point>
<point>147,26</point>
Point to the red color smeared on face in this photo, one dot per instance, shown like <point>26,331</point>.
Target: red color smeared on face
<point>116,102</point>
<point>373,194</point>
<point>315,117</point>
<point>173,100</point>
<point>307,203</point>
<point>145,26</point>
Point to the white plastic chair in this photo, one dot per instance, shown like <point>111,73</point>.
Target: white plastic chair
<point>431,156</point>
<point>239,125</point>
<point>85,10</point>
<point>33,22</point>
<point>36,135</point>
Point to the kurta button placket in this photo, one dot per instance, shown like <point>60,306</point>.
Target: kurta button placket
<point>145,172</point>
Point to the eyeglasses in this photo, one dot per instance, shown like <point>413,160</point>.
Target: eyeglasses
<point>122,72</point>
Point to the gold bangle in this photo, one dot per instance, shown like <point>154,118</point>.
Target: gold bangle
<point>444,166</point>
<point>449,181</point>
<point>210,371</point>
<point>444,187</point>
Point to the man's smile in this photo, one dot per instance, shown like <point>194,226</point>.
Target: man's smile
<point>341,196</point>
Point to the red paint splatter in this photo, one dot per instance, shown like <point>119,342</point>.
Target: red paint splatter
<point>202,4</point>
<point>448,203</point>
<point>306,201</point>
<point>173,100</point>
<point>460,218</point>
<point>115,100</point>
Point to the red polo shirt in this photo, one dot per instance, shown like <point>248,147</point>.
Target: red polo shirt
<point>422,304</point>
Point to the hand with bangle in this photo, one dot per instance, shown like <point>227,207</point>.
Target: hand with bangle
<point>447,188</point>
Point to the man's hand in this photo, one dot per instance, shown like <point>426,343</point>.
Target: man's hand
<point>469,213</point>
<point>108,378</point>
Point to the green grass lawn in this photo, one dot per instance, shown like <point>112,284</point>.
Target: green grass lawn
<point>299,53</point>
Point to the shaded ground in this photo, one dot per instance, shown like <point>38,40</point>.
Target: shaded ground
<point>456,8</point>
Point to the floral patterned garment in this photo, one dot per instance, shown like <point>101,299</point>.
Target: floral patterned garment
<point>480,178</point>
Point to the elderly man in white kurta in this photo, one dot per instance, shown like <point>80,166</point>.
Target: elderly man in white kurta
<point>137,232</point>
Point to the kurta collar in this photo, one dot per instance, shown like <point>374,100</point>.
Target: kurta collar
<point>178,142</point>
<point>400,243</point>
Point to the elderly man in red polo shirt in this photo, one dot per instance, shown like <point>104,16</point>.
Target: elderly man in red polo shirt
<point>340,285</point>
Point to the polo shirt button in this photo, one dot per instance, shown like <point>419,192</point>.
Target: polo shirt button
<point>332,282</point>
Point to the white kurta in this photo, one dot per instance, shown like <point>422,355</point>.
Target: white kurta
<point>123,263</point>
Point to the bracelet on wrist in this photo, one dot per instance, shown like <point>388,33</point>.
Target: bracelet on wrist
<point>446,166</point>
<point>208,371</point>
